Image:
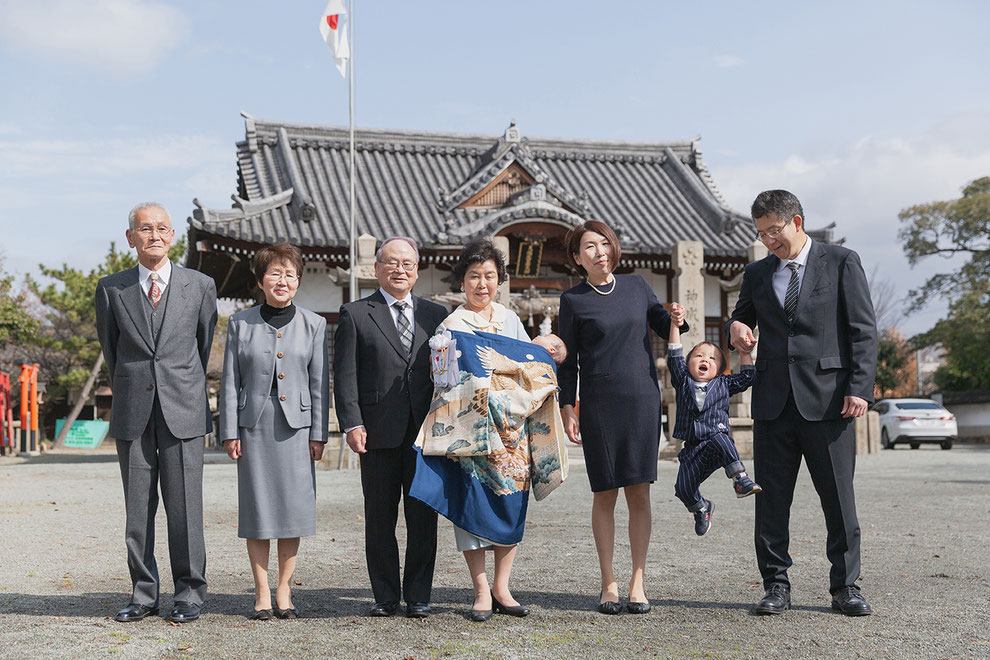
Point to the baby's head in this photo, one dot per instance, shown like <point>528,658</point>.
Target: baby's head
<point>554,345</point>
<point>705,362</point>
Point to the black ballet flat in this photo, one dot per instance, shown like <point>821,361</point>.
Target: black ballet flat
<point>288,613</point>
<point>261,615</point>
<point>511,610</point>
<point>638,608</point>
<point>609,606</point>
<point>480,615</point>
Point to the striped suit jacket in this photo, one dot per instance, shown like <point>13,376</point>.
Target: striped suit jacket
<point>696,425</point>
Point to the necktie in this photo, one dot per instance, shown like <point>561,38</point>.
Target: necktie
<point>791,297</point>
<point>403,326</point>
<point>154,291</point>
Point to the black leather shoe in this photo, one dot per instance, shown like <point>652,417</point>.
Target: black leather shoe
<point>417,610</point>
<point>609,606</point>
<point>638,608</point>
<point>511,610</point>
<point>134,612</point>
<point>775,600</point>
<point>850,602</point>
<point>480,615</point>
<point>383,609</point>
<point>262,615</point>
<point>184,612</point>
<point>287,613</point>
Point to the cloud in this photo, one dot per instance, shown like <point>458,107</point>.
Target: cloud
<point>728,61</point>
<point>863,185</point>
<point>119,36</point>
<point>100,171</point>
<point>104,158</point>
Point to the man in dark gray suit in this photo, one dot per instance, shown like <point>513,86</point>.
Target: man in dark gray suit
<point>815,373</point>
<point>155,322</point>
<point>382,391</point>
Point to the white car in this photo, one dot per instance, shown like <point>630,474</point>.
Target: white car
<point>914,421</point>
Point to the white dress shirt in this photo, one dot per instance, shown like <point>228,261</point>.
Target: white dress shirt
<point>408,311</point>
<point>783,274</point>
<point>144,277</point>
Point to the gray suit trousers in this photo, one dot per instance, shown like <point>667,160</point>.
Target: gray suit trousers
<point>178,464</point>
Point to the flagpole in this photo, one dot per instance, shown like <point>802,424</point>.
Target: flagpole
<point>350,95</point>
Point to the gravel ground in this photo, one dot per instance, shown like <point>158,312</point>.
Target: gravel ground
<point>925,569</point>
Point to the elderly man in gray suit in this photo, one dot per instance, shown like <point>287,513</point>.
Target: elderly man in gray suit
<point>155,323</point>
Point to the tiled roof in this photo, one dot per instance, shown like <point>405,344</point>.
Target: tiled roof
<point>293,185</point>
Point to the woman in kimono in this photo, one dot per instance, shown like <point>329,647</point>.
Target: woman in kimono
<point>481,269</point>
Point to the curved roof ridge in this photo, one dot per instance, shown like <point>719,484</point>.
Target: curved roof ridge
<point>259,127</point>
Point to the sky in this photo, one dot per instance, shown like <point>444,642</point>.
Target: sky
<point>860,108</point>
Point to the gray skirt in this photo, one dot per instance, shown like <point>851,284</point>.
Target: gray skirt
<point>276,479</point>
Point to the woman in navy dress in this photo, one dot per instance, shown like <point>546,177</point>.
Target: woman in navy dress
<point>605,323</point>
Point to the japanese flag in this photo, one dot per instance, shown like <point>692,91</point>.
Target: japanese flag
<point>332,29</point>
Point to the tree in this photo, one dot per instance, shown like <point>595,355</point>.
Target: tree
<point>893,355</point>
<point>956,227</point>
<point>964,335</point>
<point>959,227</point>
<point>887,309</point>
<point>16,323</point>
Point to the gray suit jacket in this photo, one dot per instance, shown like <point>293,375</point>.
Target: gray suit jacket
<point>828,352</point>
<point>254,351</point>
<point>175,367</point>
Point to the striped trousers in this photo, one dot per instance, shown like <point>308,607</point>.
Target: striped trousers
<point>698,460</point>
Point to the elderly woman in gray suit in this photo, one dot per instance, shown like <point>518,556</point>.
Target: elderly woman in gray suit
<point>274,406</point>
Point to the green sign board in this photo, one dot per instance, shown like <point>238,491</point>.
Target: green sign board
<point>84,434</point>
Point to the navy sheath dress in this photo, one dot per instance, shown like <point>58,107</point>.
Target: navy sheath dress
<point>608,344</point>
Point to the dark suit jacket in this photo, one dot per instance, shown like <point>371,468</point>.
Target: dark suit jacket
<point>374,383</point>
<point>694,424</point>
<point>175,367</point>
<point>830,350</point>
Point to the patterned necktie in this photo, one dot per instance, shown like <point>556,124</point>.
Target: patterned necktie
<point>154,291</point>
<point>793,287</point>
<point>403,326</point>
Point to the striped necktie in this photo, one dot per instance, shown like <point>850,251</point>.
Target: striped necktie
<point>154,291</point>
<point>793,288</point>
<point>403,326</point>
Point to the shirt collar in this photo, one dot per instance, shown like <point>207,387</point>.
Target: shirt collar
<point>801,259</point>
<point>164,273</point>
<point>391,300</point>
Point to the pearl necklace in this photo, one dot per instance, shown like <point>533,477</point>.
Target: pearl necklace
<point>602,293</point>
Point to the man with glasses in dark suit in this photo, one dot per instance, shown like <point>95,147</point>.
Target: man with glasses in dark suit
<point>382,391</point>
<point>815,373</point>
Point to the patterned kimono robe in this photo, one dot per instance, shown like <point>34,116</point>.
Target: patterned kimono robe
<point>491,437</point>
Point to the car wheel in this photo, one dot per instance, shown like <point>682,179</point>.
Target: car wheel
<point>915,445</point>
<point>885,440</point>
<point>947,444</point>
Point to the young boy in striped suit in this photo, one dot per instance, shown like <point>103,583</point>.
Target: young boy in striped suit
<point>703,422</point>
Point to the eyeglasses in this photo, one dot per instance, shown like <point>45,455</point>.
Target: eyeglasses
<point>276,275</point>
<point>407,266</point>
<point>772,234</point>
<point>147,231</point>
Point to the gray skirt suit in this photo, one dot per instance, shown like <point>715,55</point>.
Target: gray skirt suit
<point>275,397</point>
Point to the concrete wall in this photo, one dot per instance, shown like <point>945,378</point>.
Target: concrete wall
<point>317,292</point>
<point>973,420</point>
